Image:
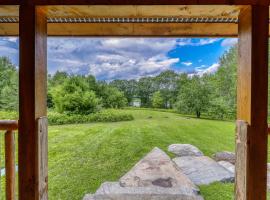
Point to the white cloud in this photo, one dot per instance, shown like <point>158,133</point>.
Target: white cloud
<point>229,42</point>
<point>111,58</point>
<point>197,42</point>
<point>187,63</point>
<point>200,71</point>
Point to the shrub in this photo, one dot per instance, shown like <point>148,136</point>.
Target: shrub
<point>102,116</point>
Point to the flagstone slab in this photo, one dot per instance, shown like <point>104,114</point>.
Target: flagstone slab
<point>225,156</point>
<point>156,169</point>
<point>184,150</point>
<point>203,170</point>
<point>114,191</point>
<point>227,165</point>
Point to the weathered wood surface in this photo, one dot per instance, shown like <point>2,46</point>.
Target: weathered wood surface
<point>132,29</point>
<point>32,105</point>
<point>10,165</point>
<point>42,149</point>
<point>134,2</point>
<point>8,125</point>
<point>252,94</point>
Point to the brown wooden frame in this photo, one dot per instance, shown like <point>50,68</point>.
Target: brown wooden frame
<point>251,102</point>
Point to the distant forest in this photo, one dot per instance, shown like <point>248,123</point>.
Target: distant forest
<point>212,95</point>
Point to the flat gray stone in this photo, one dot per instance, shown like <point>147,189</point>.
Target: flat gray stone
<point>113,191</point>
<point>184,150</point>
<point>225,156</point>
<point>156,169</point>
<point>203,170</point>
<point>268,177</point>
<point>88,197</point>
<point>227,165</point>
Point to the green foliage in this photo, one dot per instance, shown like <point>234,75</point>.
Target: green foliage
<point>75,96</point>
<point>111,97</point>
<point>8,85</point>
<point>110,115</point>
<point>158,101</point>
<point>193,96</point>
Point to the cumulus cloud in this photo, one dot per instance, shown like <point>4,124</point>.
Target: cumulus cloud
<point>229,42</point>
<point>200,71</point>
<point>111,58</point>
<point>187,63</point>
<point>196,42</point>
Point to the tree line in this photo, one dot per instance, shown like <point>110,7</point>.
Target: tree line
<point>206,94</point>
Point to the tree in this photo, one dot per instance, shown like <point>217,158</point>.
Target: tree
<point>111,97</point>
<point>193,96</point>
<point>146,90</point>
<point>128,87</point>
<point>74,96</point>
<point>8,85</point>
<point>158,101</point>
<point>167,84</point>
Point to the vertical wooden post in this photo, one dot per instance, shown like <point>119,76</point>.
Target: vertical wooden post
<point>251,143</point>
<point>32,102</point>
<point>10,165</point>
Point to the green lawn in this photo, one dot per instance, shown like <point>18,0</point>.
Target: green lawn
<point>81,157</point>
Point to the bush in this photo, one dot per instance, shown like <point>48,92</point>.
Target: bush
<point>102,116</point>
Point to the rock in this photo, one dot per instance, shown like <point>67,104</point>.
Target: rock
<point>225,156</point>
<point>203,170</point>
<point>156,169</point>
<point>113,191</point>
<point>184,150</point>
<point>88,197</point>
<point>227,165</point>
<point>268,177</point>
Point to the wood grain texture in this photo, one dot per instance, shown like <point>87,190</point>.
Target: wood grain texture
<point>132,29</point>
<point>32,97</point>
<point>252,101</point>
<point>10,165</point>
<point>42,148</point>
<point>8,125</point>
<point>242,131</point>
<point>134,2</point>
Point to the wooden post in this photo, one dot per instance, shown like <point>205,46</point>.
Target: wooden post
<point>10,165</point>
<point>251,143</point>
<point>32,102</point>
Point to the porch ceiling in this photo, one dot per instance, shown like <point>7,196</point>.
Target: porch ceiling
<point>131,20</point>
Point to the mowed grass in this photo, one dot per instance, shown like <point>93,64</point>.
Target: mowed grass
<point>81,157</point>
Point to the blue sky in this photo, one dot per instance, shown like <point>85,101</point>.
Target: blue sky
<point>128,58</point>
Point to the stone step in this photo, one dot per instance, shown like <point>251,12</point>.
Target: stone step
<point>113,191</point>
<point>203,170</point>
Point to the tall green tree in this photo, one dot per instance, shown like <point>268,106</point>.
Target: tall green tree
<point>8,85</point>
<point>158,101</point>
<point>193,97</point>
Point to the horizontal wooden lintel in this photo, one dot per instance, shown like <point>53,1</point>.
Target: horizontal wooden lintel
<point>132,29</point>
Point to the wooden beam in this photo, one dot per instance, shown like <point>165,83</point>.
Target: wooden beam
<point>134,2</point>
<point>143,29</point>
<point>32,99</point>
<point>132,29</point>
<point>251,168</point>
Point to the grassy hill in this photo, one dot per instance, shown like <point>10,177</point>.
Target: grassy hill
<point>81,157</point>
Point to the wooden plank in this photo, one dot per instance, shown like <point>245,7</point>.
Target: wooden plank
<point>42,131</point>
<point>32,101</point>
<point>143,29</point>
<point>10,165</point>
<point>132,29</point>
<point>242,159</point>
<point>8,125</point>
<point>135,2</point>
<point>252,102</point>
